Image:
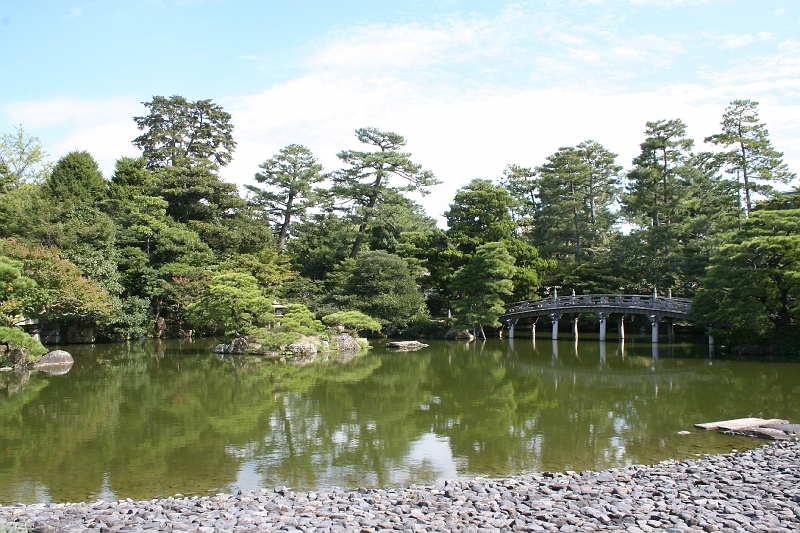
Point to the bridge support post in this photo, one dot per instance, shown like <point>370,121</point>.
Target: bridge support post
<point>603,319</point>
<point>511,324</point>
<point>622,327</point>
<point>554,317</point>
<point>654,321</point>
<point>575,327</point>
<point>533,330</point>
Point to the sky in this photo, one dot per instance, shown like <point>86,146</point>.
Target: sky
<point>473,85</point>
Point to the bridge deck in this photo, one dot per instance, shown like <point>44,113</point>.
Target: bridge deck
<point>608,304</point>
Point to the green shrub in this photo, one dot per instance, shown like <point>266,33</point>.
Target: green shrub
<point>427,327</point>
<point>297,318</point>
<point>19,347</point>
<point>275,340</point>
<point>353,320</point>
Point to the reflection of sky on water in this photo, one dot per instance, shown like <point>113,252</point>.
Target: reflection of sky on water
<point>429,459</point>
<point>106,494</point>
<point>247,478</point>
<point>435,451</point>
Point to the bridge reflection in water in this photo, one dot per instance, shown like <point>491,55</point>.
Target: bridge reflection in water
<point>656,308</point>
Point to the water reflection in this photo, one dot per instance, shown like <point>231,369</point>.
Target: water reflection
<point>162,417</point>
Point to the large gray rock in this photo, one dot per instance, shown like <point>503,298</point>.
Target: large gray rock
<point>57,362</point>
<point>302,348</point>
<point>406,346</point>
<point>56,357</point>
<point>346,343</point>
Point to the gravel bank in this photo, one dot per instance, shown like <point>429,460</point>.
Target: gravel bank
<point>758,490</point>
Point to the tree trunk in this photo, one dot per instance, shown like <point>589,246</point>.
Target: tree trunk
<point>373,198</point>
<point>576,220</point>
<point>592,242</point>
<point>287,219</point>
<point>666,190</point>
<point>746,182</point>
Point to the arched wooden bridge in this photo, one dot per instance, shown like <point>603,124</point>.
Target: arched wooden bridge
<point>656,308</point>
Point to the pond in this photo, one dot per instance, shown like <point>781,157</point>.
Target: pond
<point>164,417</point>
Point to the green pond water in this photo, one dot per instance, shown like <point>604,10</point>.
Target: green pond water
<point>165,417</point>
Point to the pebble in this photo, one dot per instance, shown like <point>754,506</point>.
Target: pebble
<point>757,490</point>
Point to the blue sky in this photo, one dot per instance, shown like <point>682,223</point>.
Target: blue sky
<point>474,86</point>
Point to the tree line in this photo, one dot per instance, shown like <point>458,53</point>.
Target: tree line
<point>167,238</point>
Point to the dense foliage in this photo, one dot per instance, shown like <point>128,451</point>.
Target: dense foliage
<point>166,240</point>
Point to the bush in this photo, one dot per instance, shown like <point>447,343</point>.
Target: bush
<point>275,340</point>
<point>297,318</point>
<point>355,320</point>
<point>17,347</point>
<point>428,327</point>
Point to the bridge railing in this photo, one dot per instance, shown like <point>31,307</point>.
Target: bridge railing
<point>629,301</point>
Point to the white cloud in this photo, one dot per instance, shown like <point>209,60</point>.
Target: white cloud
<point>780,11</point>
<point>584,54</point>
<point>735,41</point>
<point>461,135</point>
<point>102,127</point>
<point>392,47</point>
<point>760,73</point>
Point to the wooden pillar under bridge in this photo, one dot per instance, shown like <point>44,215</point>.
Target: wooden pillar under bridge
<point>511,324</point>
<point>575,327</point>
<point>654,321</point>
<point>554,317</point>
<point>603,319</point>
<point>622,327</point>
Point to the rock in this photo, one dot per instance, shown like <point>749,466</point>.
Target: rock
<point>789,429</point>
<point>763,433</point>
<point>390,330</point>
<point>82,332</point>
<point>302,348</point>
<point>117,337</point>
<point>346,343</point>
<point>406,345</point>
<point>57,362</point>
<point>238,345</point>
<point>161,326</point>
<point>459,335</point>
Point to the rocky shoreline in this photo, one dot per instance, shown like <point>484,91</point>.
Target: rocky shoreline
<point>757,490</point>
